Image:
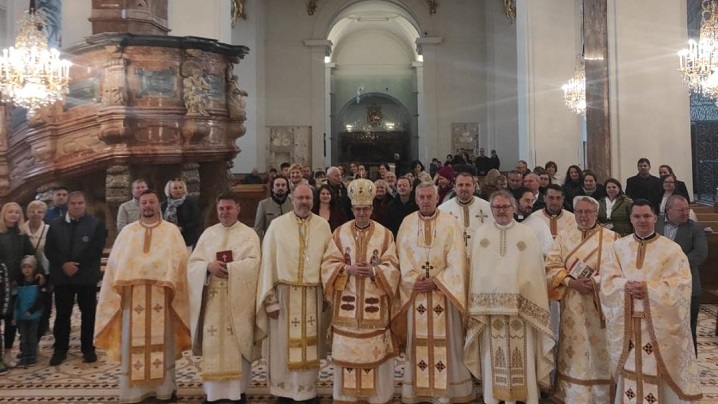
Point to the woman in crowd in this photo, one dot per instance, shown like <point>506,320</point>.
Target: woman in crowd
<point>181,210</point>
<point>680,185</point>
<point>552,170</point>
<point>14,244</point>
<point>328,209</point>
<point>36,229</point>
<point>419,172</point>
<point>668,182</point>
<point>383,169</point>
<point>615,209</point>
<point>591,187</point>
<point>571,186</point>
<point>382,198</point>
<point>489,182</point>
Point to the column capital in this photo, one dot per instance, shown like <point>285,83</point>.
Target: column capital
<point>320,43</point>
<point>427,42</point>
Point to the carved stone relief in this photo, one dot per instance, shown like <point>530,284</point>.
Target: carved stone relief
<point>117,185</point>
<point>190,174</point>
<point>464,138</point>
<point>290,144</point>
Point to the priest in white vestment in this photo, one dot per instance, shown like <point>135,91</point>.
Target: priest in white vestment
<point>509,344</point>
<point>143,308</point>
<point>470,211</point>
<point>645,295</point>
<point>573,270</point>
<point>360,275</point>
<point>554,215</point>
<point>222,273</point>
<point>290,299</point>
<point>433,304</point>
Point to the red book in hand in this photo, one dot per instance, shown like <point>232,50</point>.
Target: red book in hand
<point>224,256</point>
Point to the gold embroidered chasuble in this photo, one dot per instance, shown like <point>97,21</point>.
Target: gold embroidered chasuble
<point>361,307</point>
<point>220,309</point>
<point>583,366</point>
<point>433,248</point>
<point>470,216</point>
<point>557,223</point>
<point>507,297</point>
<point>649,339</point>
<point>148,266</point>
<point>292,255</point>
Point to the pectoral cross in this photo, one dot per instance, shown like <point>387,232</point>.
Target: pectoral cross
<point>467,236</point>
<point>427,267</point>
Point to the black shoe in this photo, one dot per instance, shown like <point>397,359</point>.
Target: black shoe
<point>284,400</point>
<point>90,357</point>
<point>242,400</point>
<point>58,358</point>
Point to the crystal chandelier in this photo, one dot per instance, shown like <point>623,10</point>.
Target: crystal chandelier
<point>574,91</point>
<point>31,74</point>
<point>699,62</point>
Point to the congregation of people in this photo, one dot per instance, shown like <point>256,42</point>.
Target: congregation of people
<point>531,284</point>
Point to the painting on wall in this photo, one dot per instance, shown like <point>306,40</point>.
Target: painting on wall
<point>465,138</point>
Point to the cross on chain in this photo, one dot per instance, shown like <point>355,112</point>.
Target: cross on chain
<point>467,236</point>
<point>427,267</point>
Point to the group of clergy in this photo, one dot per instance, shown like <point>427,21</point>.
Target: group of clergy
<point>463,292</point>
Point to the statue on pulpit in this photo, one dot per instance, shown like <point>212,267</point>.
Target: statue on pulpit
<point>236,104</point>
<point>195,89</point>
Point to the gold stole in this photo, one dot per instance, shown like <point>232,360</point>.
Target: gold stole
<point>587,253</point>
<point>508,345</point>
<point>430,350</point>
<point>303,326</point>
<point>553,222</point>
<point>148,309</point>
<point>221,359</point>
<point>467,221</point>
<point>640,371</point>
<point>303,315</point>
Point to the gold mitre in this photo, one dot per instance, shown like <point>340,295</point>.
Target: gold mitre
<point>362,192</point>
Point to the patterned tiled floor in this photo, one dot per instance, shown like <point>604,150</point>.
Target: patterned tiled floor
<point>78,382</point>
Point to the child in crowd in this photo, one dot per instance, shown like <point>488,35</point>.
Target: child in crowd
<point>31,299</point>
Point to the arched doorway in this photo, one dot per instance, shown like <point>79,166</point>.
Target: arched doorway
<point>371,128</point>
<point>372,74</point>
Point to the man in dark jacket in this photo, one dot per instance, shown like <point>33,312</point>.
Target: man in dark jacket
<point>59,205</point>
<point>401,206</point>
<point>74,248</point>
<point>688,234</point>
<point>643,185</point>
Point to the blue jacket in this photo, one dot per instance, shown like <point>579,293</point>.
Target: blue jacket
<point>29,303</point>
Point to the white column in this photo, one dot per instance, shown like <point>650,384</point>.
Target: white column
<point>328,137</point>
<point>428,114</point>
<point>206,19</point>
<point>250,76</point>
<point>546,57</point>
<point>650,110</point>
<point>319,49</point>
<point>422,152</point>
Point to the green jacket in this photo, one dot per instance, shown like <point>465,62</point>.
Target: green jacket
<point>620,215</point>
